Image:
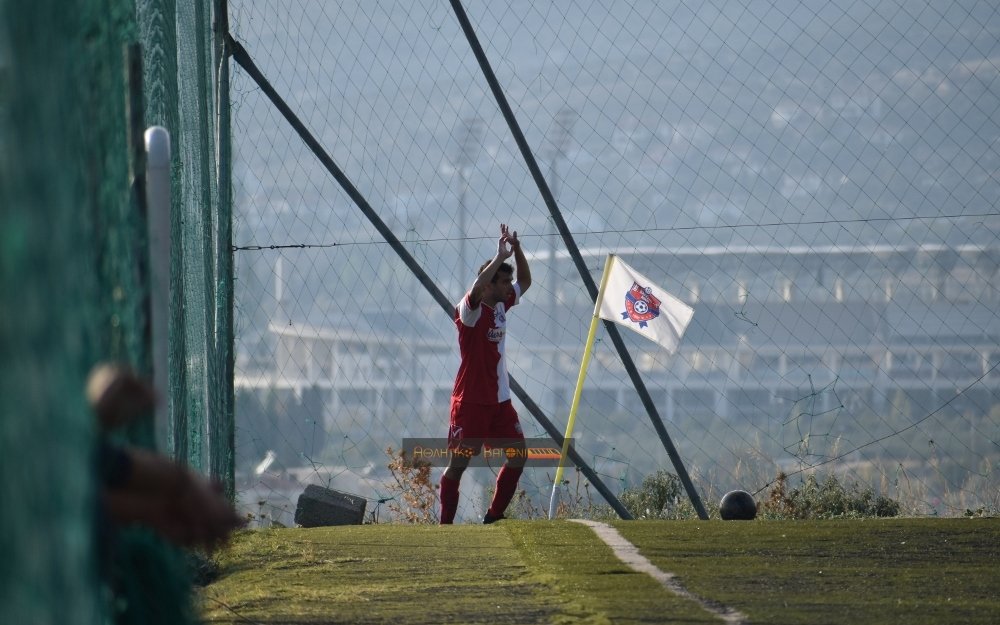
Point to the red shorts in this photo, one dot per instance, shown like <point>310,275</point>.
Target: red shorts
<point>473,425</point>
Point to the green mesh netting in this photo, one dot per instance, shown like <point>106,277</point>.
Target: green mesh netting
<point>49,314</point>
<point>72,240</point>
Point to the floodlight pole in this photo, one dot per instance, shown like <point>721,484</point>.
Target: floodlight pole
<point>467,148</point>
<point>574,251</point>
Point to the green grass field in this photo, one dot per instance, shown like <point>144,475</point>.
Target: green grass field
<point>853,572</point>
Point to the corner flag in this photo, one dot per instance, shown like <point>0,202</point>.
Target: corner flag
<point>632,300</point>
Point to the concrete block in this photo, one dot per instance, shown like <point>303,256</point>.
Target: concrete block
<point>318,507</point>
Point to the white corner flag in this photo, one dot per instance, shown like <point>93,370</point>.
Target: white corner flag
<point>632,300</point>
<point>628,298</point>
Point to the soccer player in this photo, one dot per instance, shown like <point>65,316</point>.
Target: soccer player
<point>481,409</point>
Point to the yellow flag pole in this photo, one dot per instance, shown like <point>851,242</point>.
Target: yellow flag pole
<point>584,364</point>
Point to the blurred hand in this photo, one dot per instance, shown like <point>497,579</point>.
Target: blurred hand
<point>182,506</point>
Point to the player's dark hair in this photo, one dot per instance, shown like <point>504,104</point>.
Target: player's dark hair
<point>503,268</point>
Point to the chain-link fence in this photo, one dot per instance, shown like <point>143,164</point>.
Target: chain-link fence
<point>818,179</point>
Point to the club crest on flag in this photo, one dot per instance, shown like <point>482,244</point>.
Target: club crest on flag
<point>661,318</point>
<point>641,306</point>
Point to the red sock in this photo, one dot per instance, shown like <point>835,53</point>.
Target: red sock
<point>449,499</point>
<point>506,486</point>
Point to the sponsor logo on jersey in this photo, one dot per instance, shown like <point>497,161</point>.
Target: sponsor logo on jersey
<point>495,334</point>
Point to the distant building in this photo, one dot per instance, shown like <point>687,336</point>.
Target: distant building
<point>883,335</point>
<point>768,323</point>
<point>869,321</point>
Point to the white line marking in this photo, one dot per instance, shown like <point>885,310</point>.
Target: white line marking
<point>629,554</point>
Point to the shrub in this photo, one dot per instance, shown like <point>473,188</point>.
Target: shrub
<point>660,496</point>
<point>825,500</point>
<point>414,492</point>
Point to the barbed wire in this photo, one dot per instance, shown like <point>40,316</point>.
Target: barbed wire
<point>776,224</point>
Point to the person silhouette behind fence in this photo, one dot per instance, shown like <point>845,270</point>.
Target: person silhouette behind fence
<point>142,487</point>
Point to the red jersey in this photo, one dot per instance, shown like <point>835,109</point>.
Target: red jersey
<point>482,373</point>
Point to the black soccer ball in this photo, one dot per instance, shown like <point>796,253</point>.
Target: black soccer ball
<point>737,505</point>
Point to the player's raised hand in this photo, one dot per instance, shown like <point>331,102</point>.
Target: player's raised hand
<point>505,245</point>
<point>511,236</point>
